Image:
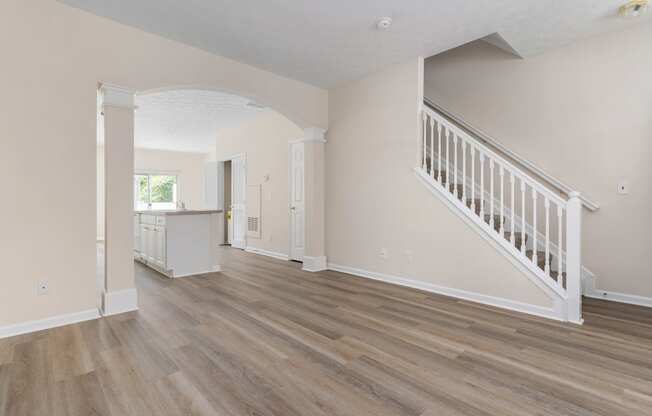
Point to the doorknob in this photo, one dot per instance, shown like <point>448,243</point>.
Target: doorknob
<point>293,208</point>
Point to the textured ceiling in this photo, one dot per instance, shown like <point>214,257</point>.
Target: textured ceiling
<point>326,43</point>
<point>187,120</point>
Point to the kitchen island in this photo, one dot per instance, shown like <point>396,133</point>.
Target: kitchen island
<point>177,243</point>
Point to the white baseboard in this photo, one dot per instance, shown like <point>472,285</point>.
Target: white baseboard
<point>315,264</point>
<point>619,297</point>
<point>215,269</point>
<point>267,253</point>
<point>555,312</point>
<point>47,323</point>
<point>120,301</point>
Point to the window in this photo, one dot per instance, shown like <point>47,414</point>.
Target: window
<point>157,192</point>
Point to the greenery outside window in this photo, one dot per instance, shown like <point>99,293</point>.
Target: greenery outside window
<point>155,192</point>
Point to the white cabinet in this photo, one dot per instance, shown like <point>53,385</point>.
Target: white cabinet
<point>159,252</point>
<point>151,241</point>
<point>136,236</point>
<point>178,243</point>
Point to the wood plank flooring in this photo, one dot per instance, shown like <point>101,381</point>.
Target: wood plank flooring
<point>265,338</point>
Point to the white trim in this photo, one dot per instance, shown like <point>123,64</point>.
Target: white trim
<point>315,264</point>
<point>268,253</point>
<point>116,96</point>
<point>590,291</point>
<point>47,323</point>
<point>484,137</point>
<point>311,134</point>
<point>120,301</point>
<point>509,251</point>
<point>215,269</point>
<point>554,312</point>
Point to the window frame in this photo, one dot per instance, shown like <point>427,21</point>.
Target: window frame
<point>149,173</point>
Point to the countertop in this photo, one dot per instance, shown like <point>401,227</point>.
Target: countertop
<point>179,212</point>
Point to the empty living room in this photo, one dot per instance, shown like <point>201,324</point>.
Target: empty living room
<point>321,208</point>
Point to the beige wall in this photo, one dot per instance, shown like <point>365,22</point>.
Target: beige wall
<point>265,142</point>
<point>53,58</point>
<point>188,166</point>
<point>582,113</point>
<point>374,200</point>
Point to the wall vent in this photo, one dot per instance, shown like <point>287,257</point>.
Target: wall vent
<point>254,211</point>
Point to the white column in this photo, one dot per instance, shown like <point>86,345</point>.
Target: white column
<point>314,259</point>
<point>574,257</point>
<point>120,293</point>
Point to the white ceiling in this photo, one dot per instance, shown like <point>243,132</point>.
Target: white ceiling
<point>187,120</point>
<point>328,42</point>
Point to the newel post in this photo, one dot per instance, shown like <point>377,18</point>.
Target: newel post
<point>574,257</point>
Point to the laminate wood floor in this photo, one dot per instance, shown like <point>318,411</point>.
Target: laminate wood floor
<point>265,338</point>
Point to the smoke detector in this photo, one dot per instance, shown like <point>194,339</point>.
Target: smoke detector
<point>634,8</point>
<point>255,105</point>
<point>384,23</point>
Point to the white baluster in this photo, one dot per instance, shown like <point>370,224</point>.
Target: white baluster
<point>502,201</point>
<point>491,192</point>
<point>512,237</point>
<point>472,178</point>
<point>560,267</point>
<point>534,227</point>
<point>463,170</point>
<point>546,204</point>
<point>523,215</point>
<point>432,147</point>
<point>425,118</point>
<point>448,162</point>
<point>441,180</point>
<point>574,257</point>
<point>456,164</point>
<point>481,185</point>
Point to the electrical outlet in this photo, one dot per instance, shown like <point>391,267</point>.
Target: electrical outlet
<point>42,288</point>
<point>383,253</point>
<point>623,188</point>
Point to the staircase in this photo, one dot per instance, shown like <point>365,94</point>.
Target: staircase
<point>535,227</point>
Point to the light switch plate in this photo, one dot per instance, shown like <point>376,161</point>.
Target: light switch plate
<point>623,188</point>
<point>42,288</point>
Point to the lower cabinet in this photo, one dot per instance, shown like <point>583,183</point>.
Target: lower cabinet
<point>151,243</point>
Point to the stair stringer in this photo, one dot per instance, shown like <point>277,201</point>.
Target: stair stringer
<point>558,311</point>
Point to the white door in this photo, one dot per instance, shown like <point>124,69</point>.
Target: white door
<point>238,207</point>
<point>297,202</point>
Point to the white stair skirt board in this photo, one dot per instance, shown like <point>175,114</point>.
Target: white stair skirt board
<point>556,312</point>
<point>315,264</point>
<point>120,301</point>
<point>268,253</point>
<point>48,323</point>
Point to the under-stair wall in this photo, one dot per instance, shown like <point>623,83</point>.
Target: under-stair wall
<point>383,223</point>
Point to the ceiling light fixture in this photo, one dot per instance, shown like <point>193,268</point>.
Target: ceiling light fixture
<point>384,23</point>
<point>634,8</point>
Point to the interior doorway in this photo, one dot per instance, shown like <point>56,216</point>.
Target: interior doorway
<point>232,182</point>
<point>228,222</point>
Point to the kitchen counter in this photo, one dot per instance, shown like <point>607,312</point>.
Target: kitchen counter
<point>180,212</point>
<point>178,243</point>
